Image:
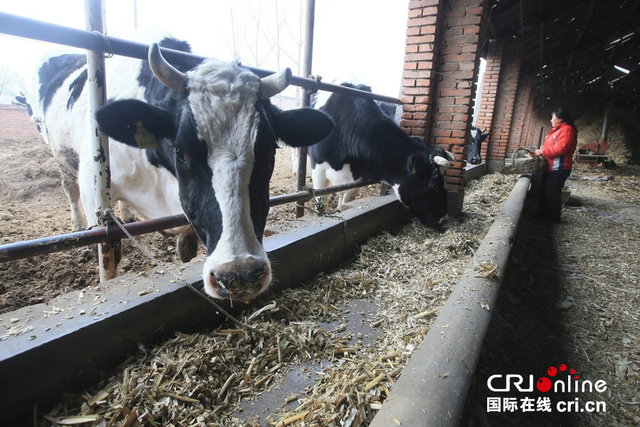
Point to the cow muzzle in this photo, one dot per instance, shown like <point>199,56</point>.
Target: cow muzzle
<point>475,160</point>
<point>238,280</point>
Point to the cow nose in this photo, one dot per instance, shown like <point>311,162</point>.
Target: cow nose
<point>239,280</point>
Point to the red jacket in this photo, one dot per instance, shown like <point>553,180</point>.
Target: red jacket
<point>559,147</point>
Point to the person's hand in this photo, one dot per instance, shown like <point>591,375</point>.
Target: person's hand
<point>538,152</point>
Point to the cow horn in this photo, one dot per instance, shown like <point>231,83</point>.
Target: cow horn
<point>450,155</point>
<point>441,161</point>
<point>275,83</point>
<point>170,76</point>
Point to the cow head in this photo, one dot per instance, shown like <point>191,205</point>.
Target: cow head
<point>217,134</point>
<point>422,188</point>
<point>475,144</point>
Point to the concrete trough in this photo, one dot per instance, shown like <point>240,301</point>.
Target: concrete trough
<point>433,387</point>
<point>69,344</point>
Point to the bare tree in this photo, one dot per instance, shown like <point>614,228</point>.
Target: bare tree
<point>11,83</point>
<point>274,26</point>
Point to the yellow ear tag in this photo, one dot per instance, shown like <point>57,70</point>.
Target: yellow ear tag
<point>144,138</point>
<point>414,170</point>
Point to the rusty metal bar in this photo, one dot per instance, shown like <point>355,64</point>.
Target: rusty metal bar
<point>96,84</point>
<point>47,245</point>
<point>307,51</point>
<point>20,26</point>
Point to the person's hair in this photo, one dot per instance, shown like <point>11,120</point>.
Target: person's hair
<point>565,116</point>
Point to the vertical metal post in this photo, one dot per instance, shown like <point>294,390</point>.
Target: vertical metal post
<point>540,136</point>
<point>94,20</point>
<point>309,17</point>
<point>605,127</point>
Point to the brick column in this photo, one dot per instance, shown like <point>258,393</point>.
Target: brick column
<point>417,77</point>
<point>503,112</point>
<point>441,62</point>
<point>490,91</point>
<point>517,137</point>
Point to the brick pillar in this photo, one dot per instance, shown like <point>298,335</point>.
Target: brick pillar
<point>441,62</point>
<point>504,107</point>
<point>490,91</point>
<point>417,77</point>
<point>521,108</point>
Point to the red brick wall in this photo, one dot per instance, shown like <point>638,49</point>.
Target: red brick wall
<point>441,62</point>
<point>490,90</point>
<point>539,119</point>
<point>521,108</point>
<point>418,77</point>
<point>504,107</point>
<point>15,123</point>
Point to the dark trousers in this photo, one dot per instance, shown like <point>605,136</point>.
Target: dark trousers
<point>551,185</point>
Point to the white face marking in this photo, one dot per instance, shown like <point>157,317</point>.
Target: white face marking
<point>396,189</point>
<point>222,99</point>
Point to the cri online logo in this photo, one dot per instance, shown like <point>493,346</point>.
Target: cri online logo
<point>561,383</point>
<point>544,384</point>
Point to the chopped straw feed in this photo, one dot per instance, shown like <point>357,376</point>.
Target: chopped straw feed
<point>206,378</point>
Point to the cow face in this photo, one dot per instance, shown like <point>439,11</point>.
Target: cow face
<point>475,144</point>
<point>218,136</point>
<point>422,188</point>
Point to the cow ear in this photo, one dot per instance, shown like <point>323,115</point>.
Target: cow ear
<point>302,127</point>
<point>417,164</point>
<point>135,123</point>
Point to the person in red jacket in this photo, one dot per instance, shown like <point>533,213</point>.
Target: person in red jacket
<point>557,150</point>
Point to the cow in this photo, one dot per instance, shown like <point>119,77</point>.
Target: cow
<point>475,144</point>
<point>366,144</point>
<point>200,141</point>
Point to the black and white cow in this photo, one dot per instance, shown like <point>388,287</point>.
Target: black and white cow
<point>475,145</point>
<point>212,132</point>
<point>367,144</point>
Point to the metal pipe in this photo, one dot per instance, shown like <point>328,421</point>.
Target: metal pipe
<point>309,16</point>
<point>47,245</point>
<point>605,125</point>
<point>540,136</point>
<point>96,83</point>
<point>37,30</point>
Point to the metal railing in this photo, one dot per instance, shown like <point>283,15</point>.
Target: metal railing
<point>112,233</point>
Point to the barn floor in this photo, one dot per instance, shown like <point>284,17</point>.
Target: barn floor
<point>571,295</point>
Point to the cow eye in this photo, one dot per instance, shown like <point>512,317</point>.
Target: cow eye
<point>180,155</point>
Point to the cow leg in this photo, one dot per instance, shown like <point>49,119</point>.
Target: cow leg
<point>128,214</point>
<point>294,159</point>
<point>71,189</point>
<point>346,197</point>
<point>187,245</point>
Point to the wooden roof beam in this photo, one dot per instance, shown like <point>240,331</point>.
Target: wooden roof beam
<point>576,42</point>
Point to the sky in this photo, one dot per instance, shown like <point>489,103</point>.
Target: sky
<point>362,39</point>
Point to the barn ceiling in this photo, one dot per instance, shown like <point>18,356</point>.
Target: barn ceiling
<point>571,48</point>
